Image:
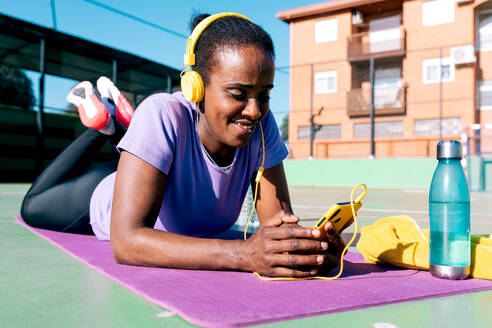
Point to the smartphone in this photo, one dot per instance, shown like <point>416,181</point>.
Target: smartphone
<point>338,214</point>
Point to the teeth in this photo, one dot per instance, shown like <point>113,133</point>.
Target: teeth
<point>246,126</point>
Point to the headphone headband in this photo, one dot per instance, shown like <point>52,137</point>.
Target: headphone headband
<point>191,82</point>
<point>189,56</point>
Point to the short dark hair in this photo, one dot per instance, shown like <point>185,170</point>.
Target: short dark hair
<point>228,31</point>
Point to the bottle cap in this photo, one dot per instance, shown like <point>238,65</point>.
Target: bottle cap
<point>449,149</point>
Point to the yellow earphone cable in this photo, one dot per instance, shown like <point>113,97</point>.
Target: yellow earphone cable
<point>344,250</point>
<point>257,180</point>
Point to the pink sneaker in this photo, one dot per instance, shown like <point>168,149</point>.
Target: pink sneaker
<point>124,111</point>
<point>92,112</point>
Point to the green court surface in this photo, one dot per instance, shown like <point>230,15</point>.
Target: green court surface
<point>41,285</point>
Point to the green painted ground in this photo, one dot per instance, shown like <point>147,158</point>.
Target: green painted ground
<point>41,286</point>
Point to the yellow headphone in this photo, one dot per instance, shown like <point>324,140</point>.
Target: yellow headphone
<point>191,82</point>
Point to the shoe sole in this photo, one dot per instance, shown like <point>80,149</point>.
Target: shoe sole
<point>124,110</point>
<point>92,112</point>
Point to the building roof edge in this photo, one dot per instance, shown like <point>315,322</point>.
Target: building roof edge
<point>288,15</point>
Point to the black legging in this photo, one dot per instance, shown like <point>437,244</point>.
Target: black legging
<point>59,198</point>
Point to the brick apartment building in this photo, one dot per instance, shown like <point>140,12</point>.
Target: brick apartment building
<point>431,64</point>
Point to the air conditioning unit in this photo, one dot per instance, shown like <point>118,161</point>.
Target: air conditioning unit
<point>463,54</point>
<point>357,18</point>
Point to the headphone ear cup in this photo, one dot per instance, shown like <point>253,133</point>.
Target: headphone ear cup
<point>192,86</point>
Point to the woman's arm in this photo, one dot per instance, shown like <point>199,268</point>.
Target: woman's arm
<point>273,193</point>
<point>139,190</point>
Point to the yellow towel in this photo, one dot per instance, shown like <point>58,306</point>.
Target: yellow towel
<point>398,240</point>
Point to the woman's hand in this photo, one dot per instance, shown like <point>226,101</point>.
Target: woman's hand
<point>335,247</point>
<point>282,248</point>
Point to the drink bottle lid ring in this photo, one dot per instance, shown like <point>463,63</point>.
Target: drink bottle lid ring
<point>448,149</point>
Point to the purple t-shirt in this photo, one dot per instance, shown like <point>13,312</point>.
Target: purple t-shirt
<point>200,199</point>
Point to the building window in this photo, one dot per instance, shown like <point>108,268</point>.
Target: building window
<point>326,31</point>
<point>431,127</point>
<point>325,82</point>
<point>485,33</point>
<point>387,87</point>
<point>303,132</point>
<point>381,129</point>
<point>385,34</point>
<point>331,131</point>
<point>434,67</point>
<point>437,12</point>
<point>486,95</point>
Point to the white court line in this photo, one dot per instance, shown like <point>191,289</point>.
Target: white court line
<point>385,210</point>
<point>165,314</point>
<point>359,216</point>
<point>384,325</point>
<point>372,217</point>
<point>12,193</point>
<point>8,221</point>
<point>414,191</point>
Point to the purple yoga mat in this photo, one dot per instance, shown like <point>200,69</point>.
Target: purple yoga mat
<point>230,299</point>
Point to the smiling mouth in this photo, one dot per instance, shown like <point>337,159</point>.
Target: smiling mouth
<point>249,126</point>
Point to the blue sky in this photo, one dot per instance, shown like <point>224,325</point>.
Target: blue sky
<point>88,21</point>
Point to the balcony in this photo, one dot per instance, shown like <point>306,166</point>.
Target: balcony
<point>380,44</point>
<point>388,100</point>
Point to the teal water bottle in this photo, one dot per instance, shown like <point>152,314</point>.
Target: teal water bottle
<point>449,212</point>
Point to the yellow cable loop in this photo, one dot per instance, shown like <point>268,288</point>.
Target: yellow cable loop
<point>257,179</point>
<point>361,196</point>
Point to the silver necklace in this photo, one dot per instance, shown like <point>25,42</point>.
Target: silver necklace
<point>225,169</point>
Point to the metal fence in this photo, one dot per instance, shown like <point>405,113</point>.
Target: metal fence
<point>38,67</point>
<point>388,101</point>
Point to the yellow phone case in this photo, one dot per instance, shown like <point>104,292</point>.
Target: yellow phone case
<point>338,214</point>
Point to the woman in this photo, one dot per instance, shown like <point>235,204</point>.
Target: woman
<point>185,168</point>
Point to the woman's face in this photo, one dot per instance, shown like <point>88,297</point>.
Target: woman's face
<point>236,98</point>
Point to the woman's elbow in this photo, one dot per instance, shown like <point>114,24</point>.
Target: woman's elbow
<point>121,249</point>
